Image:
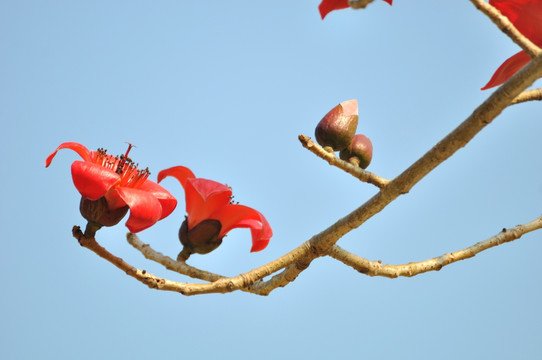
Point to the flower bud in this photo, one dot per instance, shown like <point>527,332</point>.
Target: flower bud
<point>360,151</point>
<point>201,239</point>
<point>97,212</point>
<point>338,127</point>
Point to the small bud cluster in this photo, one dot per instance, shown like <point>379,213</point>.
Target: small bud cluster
<point>337,132</point>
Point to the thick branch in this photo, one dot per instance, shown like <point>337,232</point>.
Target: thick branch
<point>332,159</point>
<point>507,27</point>
<point>458,138</point>
<point>375,268</point>
<point>529,95</point>
<point>482,116</point>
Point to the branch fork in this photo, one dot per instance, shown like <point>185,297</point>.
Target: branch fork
<point>296,261</point>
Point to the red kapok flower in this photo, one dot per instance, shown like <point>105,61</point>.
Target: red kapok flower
<point>211,214</point>
<point>526,15</point>
<point>327,6</point>
<point>110,185</point>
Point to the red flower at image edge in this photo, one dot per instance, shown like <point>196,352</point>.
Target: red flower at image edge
<point>208,200</point>
<point>526,15</point>
<point>121,184</point>
<point>327,6</point>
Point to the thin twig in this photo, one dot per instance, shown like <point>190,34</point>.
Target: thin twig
<point>332,159</point>
<point>178,266</point>
<point>182,267</point>
<point>529,95</point>
<point>152,281</point>
<point>507,27</point>
<point>375,268</point>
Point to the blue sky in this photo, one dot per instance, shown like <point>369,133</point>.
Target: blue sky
<point>225,88</point>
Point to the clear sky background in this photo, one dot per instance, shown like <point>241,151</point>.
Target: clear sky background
<point>225,87</point>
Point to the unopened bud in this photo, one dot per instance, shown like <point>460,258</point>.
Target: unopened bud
<point>338,126</point>
<point>360,150</point>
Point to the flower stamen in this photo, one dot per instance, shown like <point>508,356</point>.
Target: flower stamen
<point>124,166</point>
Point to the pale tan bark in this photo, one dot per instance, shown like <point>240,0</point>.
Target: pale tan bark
<point>324,243</point>
<point>528,95</point>
<point>376,268</point>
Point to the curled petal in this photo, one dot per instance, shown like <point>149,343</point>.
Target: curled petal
<point>209,189</point>
<point>327,6</point>
<point>508,69</point>
<point>78,148</point>
<point>92,180</point>
<point>167,201</point>
<point>240,216</point>
<point>181,173</point>
<point>114,201</point>
<point>204,198</point>
<point>260,231</point>
<point>145,209</point>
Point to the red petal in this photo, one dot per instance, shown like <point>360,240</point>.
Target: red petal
<point>167,201</point>
<point>181,173</point>
<point>239,216</point>
<point>92,180</point>
<point>204,198</point>
<point>326,6</point>
<point>208,189</point>
<point>114,201</point>
<point>508,69</point>
<point>145,209</point>
<point>78,148</point>
<point>526,15</point>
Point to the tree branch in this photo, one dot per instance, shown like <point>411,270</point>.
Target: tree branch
<point>300,258</point>
<point>507,27</point>
<point>332,159</point>
<point>529,95</point>
<point>319,244</point>
<point>258,288</point>
<point>152,281</point>
<point>375,268</point>
<point>180,267</point>
<point>220,285</point>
